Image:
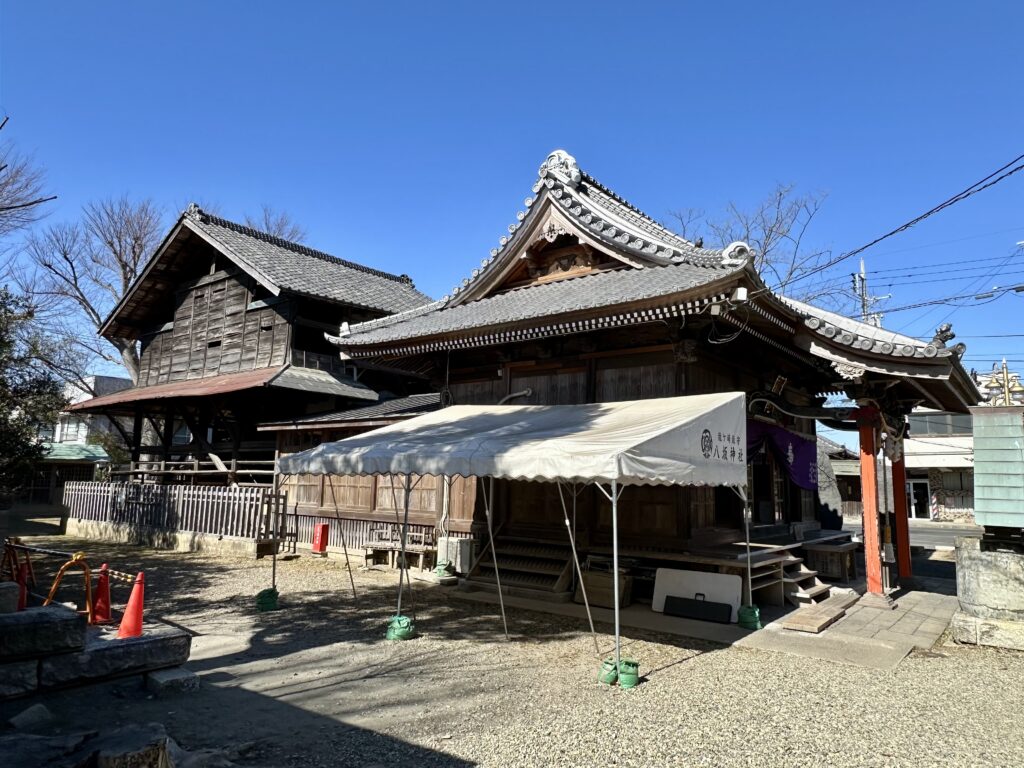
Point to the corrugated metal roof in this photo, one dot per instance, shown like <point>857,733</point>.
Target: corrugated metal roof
<point>322,382</point>
<point>285,377</point>
<point>83,452</point>
<point>387,411</point>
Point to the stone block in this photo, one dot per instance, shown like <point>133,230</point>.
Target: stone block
<point>18,678</point>
<point>164,682</point>
<point>38,631</point>
<point>106,656</point>
<point>999,633</point>
<point>35,718</point>
<point>26,750</point>
<point>9,591</point>
<point>989,584</point>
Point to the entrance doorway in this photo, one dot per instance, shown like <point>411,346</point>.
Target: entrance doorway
<point>918,499</point>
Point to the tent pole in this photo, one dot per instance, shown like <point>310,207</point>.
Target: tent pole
<point>576,560</point>
<point>746,525</point>
<point>341,527</point>
<point>488,500</point>
<point>405,527</point>
<point>615,567</point>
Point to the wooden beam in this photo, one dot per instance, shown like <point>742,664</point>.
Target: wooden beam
<point>867,424</point>
<point>899,497</point>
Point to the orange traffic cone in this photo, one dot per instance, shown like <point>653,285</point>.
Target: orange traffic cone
<point>131,622</point>
<point>101,601</point>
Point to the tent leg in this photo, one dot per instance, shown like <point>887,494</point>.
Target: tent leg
<point>488,500</point>
<point>403,571</point>
<point>344,546</point>
<point>615,568</point>
<point>576,560</point>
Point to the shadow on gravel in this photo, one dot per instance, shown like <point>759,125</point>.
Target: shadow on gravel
<point>253,728</point>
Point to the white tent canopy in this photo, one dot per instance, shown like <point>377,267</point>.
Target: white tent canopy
<point>695,440</point>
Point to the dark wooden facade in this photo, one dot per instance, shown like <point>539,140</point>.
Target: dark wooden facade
<point>230,324</point>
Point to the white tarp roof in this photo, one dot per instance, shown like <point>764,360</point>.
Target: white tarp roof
<point>695,440</point>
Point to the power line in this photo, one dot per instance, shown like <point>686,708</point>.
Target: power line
<point>935,264</point>
<point>896,281</point>
<point>948,242</point>
<point>992,179</point>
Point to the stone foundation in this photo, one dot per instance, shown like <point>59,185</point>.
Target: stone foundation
<point>990,587</point>
<point>179,541</point>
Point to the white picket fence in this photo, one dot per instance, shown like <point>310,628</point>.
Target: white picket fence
<point>220,511</point>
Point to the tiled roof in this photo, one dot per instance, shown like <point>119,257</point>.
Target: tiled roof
<point>867,338</point>
<point>397,408</point>
<point>593,291</point>
<point>606,217</point>
<point>300,269</point>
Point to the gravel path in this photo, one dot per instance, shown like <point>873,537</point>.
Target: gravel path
<point>314,684</point>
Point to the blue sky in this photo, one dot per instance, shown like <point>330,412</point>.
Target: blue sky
<point>406,135</point>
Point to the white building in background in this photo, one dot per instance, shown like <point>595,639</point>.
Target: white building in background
<point>939,455</point>
<point>71,449</point>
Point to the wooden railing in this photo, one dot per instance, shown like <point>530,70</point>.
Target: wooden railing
<point>230,512</point>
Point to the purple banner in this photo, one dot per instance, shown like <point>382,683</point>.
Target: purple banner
<point>798,455</point>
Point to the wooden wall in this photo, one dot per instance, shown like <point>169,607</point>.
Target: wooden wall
<point>374,497</point>
<point>216,329</point>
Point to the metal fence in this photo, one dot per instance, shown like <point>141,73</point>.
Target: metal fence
<point>220,511</point>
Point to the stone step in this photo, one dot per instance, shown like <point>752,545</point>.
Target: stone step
<point>38,631</point>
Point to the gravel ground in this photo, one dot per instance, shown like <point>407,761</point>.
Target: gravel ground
<point>315,684</point>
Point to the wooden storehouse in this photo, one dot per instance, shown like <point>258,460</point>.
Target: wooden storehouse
<point>231,326</point>
<point>589,300</point>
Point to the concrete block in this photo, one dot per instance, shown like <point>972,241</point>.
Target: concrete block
<point>18,678</point>
<point>38,631</point>
<point>999,633</point>
<point>9,591</point>
<point>106,656</point>
<point>35,718</point>
<point>164,682</point>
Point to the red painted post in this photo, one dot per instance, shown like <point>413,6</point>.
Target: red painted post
<point>899,496</point>
<point>320,538</point>
<point>867,423</point>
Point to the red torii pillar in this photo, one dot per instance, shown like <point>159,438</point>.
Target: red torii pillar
<point>899,498</point>
<point>867,425</point>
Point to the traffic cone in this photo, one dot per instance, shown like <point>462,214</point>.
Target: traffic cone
<point>131,622</point>
<point>23,586</point>
<point>101,600</point>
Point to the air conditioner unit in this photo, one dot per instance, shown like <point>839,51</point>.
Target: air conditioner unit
<point>458,552</point>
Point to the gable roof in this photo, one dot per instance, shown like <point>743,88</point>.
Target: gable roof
<point>664,266</point>
<point>279,265</point>
<point>566,195</point>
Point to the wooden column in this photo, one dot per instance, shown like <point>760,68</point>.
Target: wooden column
<point>899,497</point>
<point>137,435</point>
<point>867,422</point>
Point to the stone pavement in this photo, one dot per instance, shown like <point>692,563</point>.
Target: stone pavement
<point>918,620</point>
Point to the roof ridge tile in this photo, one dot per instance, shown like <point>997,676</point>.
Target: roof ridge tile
<point>198,214</point>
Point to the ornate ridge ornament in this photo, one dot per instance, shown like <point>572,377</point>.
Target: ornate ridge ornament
<point>736,252</point>
<point>563,164</point>
<point>193,211</point>
<point>848,371</point>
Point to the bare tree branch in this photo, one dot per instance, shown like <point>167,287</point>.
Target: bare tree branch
<point>76,274</point>
<point>277,223</point>
<point>777,230</point>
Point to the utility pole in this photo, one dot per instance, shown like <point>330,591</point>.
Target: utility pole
<point>867,301</point>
